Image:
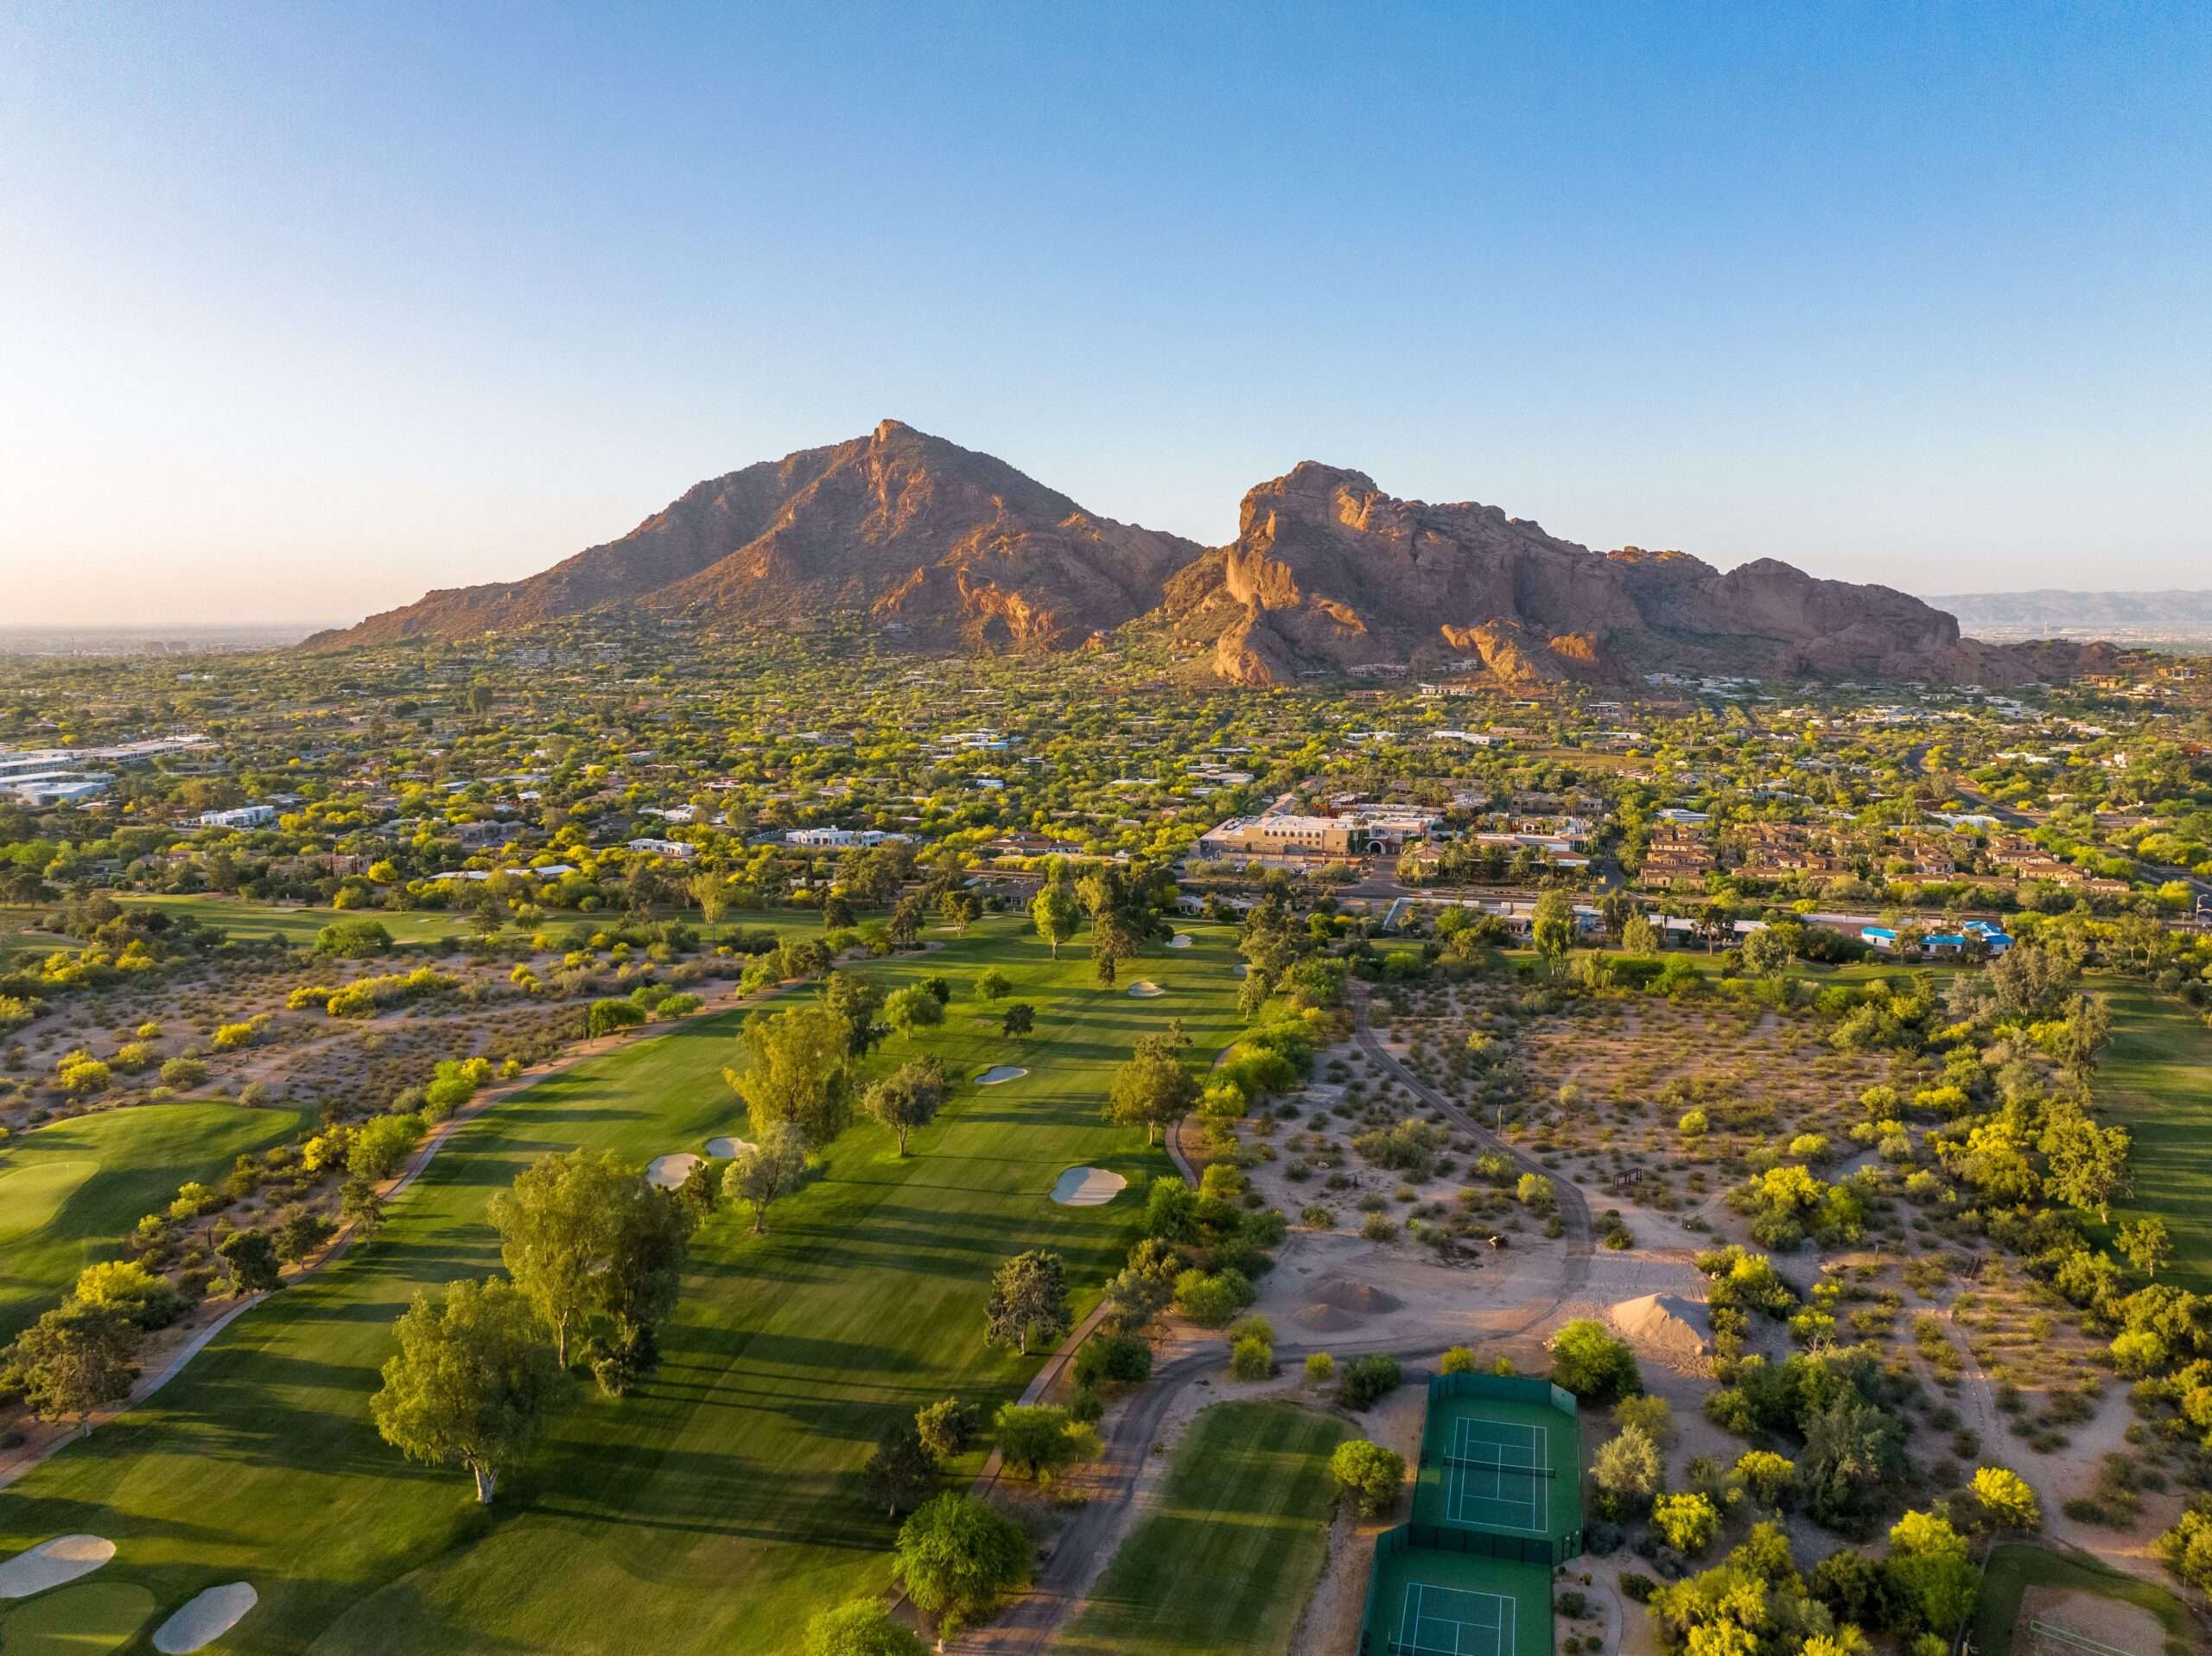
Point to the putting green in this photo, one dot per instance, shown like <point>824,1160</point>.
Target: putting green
<point>70,1192</point>
<point>739,1461</point>
<point>30,1197</point>
<point>82,1621</point>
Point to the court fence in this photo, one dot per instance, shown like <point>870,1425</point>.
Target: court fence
<point>1505,1388</point>
<point>1374,1641</point>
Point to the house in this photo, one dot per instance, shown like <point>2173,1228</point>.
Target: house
<point>838,838</point>
<point>680,850</point>
<point>244,816</point>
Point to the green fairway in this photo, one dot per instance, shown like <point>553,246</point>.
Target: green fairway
<point>86,1619</point>
<point>716,1507</point>
<point>244,917</point>
<point>2156,1080</point>
<point>2014,1569</point>
<point>71,1192</point>
<point>1229,1559</point>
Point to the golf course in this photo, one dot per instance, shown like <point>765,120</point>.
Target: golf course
<point>719,1503</point>
<point>70,1192</point>
<point>2157,1082</point>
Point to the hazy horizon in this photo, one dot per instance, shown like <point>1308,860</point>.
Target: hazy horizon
<point>309,311</point>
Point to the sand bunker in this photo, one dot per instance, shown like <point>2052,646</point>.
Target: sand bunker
<point>666,1172</point>
<point>1360,1298</point>
<point>1667,1324</point>
<point>1146,990</point>
<point>51,1563</point>
<point>1181,940</point>
<point>1327,1319</point>
<point>1087,1187</point>
<point>1243,969</point>
<point>205,1619</point>
<point>727,1149</point>
<point>999,1073</point>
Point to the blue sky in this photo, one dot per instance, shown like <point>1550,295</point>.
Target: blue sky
<point>306,308</point>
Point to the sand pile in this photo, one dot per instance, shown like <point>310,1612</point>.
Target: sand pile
<point>205,1619</point>
<point>1146,990</point>
<point>999,1073</point>
<point>1327,1319</point>
<point>1360,1298</point>
<point>1667,1325</point>
<point>666,1172</point>
<point>727,1149</point>
<point>51,1563</point>
<point>1087,1187</point>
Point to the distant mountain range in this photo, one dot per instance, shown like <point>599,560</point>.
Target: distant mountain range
<point>2051,612</point>
<point>947,548</point>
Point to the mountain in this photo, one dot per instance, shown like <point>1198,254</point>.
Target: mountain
<point>954,548</point>
<point>926,537</point>
<point>1327,571</point>
<point>2050,612</point>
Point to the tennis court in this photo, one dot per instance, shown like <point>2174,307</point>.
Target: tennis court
<point>1496,1475</point>
<point>1449,1604</point>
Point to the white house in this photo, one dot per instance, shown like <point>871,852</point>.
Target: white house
<point>244,816</point>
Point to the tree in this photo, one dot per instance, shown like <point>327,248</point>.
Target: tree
<point>653,1236</point>
<point>253,1257</point>
<point>130,1291</point>
<point>1028,1301</point>
<point>957,1558</point>
<point>994,984</point>
<point>472,1382</point>
<point>800,1073</point>
<point>1638,935</point>
<point>1688,1521</point>
<point>77,1358</point>
<point>1111,943</point>
<point>766,1170</point>
<point>961,910</point>
<point>613,1014</point>
<point>1040,1443</point>
<point>2086,1164</point>
<point>2004,1499</point>
<point>902,1470</point>
<point>1594,1365</point>
<point>1932,1572</point>
<point>1765,1474</point>
<point>359,1204</point>
<point>905,926</point>
<point>711,892</point>
<point>1020,1019</point>
<point>854,1001</point>
<point>1371,1474</point>
<point>1766,952</point>
<point>381,1146</point>
<point>912,1008</point>
<point>908,1098</point>
<point>1552,928</point>
<point>863,1627</point>
<point>557,1227</point>
<point>1153,1089</point>
<point>2146,1244</point>
<point>1054,913</point>
<point>945,1426</point>
<point>1627,1467</point>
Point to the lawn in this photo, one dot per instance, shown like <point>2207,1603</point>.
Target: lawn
<point>70,1193</point>
<point>718,1506</point>
<point>1229,1559</point>
<point>2014,1569</point>
<point>88,1619</point>
<point>246,919</point>
<point>2156,1080</point>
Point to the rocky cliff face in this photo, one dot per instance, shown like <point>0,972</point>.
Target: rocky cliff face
<point>950,547</point>
<point>1327,571</point>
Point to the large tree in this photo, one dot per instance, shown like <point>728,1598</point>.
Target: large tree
<point>902,1471</point>
<point>1055,914</point>
<point>1028,1301</point>
<point>472,1382</point>
<point>77,1358</point>
<point>558,1227</point>
<point>862,1627</point>
<point>1552,928</point>
<point>766,1170</point>
<point>801,1072</point>
<point>1155,1089</point>
<point>912,1008</point>
<point>957,1558</point>
<point>854,1001</point>
<point>909,1097</point>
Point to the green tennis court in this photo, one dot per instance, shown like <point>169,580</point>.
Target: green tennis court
<point>1500,1466</point>
<point>1430,1603</point>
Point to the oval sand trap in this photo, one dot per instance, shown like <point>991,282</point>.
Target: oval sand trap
<point>205,1619</point>
<point>666,1172</point>
<point>1181,940</point>
<point>1147,990</point>
<point>51,1563</point>
<point>1087,1187</point>
<point>727,1149</point>
<point>998,1072</point>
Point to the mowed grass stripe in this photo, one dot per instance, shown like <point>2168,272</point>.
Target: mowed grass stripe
<point>1228,1561</point>
<point>719,1506</point>
<point>2156,1080</point>
<point>71,1192</point>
